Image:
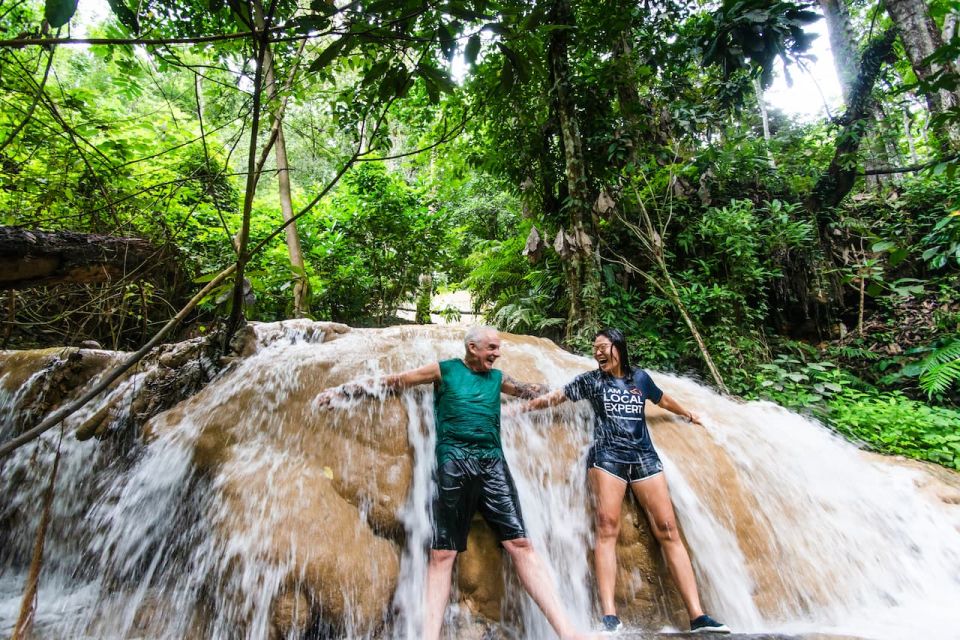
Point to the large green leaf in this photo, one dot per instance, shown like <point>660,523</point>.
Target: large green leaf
<point>124,14</point>
<point>472,49</point>
<point>59,12</point>
<point>330,53</point>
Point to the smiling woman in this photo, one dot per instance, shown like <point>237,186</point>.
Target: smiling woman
<point>623,455</point>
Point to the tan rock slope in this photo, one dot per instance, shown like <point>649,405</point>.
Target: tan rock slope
<point>319,496</point>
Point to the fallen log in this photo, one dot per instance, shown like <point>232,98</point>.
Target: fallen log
<point>32,258</point>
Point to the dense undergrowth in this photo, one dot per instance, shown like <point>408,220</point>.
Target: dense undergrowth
<point>878,418</point>
<point>847,313</point>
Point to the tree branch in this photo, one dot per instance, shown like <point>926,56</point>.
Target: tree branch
<point>914,167</point>
<point>12,445</point>
<point>836,183</point>
<point>33,105</point>
<point>220,37</point>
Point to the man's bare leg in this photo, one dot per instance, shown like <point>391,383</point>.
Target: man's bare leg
<point>535,579</point>
<point>439,576</point>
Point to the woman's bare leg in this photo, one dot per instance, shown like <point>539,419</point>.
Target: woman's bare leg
<point>608,491</point>
<point>654,496</point>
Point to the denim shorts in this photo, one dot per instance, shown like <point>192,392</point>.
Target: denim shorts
<point>646,465</point>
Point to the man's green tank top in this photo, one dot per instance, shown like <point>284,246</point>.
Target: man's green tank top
<point>467,409</point>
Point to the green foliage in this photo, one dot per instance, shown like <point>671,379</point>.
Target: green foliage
<point>664,98</point>
<point>733,238</point>
<point>59,12</point>
<point>888,422</point>
<point>893,423</point>
<point>736,252</point>
<point>512,294</point>
<point>758,32</point>
<point>376,239</point>
<point>943,242</point>
<point>799,384</point>
<point>941,369</point>
<point>481,209</point>
<point>650,324</point>
<point>526,315</point>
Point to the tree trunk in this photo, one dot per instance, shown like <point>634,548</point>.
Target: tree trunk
<point>627,95</point>
<point>300,288</point>
<point>949,26</point>
<point>581,263</point>
<point>920,37</point>
<point>424,299</point>
<point>762,105</point>
<point>40,258</point>
<point>887,151</point>
<point>836,183</point>
<point>261,44</point>
<point>908,134</point>
<point>842,44</point>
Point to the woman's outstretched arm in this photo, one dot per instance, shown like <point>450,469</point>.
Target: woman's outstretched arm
<point>552,399</point>
<point>671,405</point>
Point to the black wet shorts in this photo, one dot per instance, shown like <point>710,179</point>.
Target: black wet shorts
<point>646,466</point>
<point>463,486</point>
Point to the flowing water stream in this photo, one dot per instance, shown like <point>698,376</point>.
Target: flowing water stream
<point>791,528</point>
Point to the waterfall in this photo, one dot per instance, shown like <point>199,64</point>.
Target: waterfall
<point>857,543</point>
<point>248,504</point>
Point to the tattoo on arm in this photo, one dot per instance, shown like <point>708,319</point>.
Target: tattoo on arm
<point>369,388</point>
<point>526,390</point>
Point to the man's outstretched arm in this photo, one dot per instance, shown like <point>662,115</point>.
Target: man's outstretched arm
<point>525,390</point>
<point>392,383</point>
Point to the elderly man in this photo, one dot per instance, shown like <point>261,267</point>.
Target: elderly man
<point>471,472</point>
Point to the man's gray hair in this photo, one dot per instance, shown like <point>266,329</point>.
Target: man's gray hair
<point>475,333</point>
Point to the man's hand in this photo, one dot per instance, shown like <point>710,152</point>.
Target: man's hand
<point>526,390</point>
<point>327,395</point>
<point>371,387</point>
<point>345,391</point>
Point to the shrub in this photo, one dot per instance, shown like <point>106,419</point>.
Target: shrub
<point>893,423</point>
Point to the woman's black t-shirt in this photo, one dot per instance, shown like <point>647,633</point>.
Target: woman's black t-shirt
<point>620,425</point>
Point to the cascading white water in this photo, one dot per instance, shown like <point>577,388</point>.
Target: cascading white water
<point>791,528</point>
<point>859,548</point>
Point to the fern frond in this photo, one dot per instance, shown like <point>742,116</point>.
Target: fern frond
<point>944,354</point>
<point>550,322</point>
<point>940,377</point>
<point>855,352</point>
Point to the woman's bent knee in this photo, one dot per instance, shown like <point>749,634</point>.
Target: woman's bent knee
<point>607,526</point>
<point>666,531</point>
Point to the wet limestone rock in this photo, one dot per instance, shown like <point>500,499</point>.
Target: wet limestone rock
<point>317,494</point>
<point>311,499</point>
